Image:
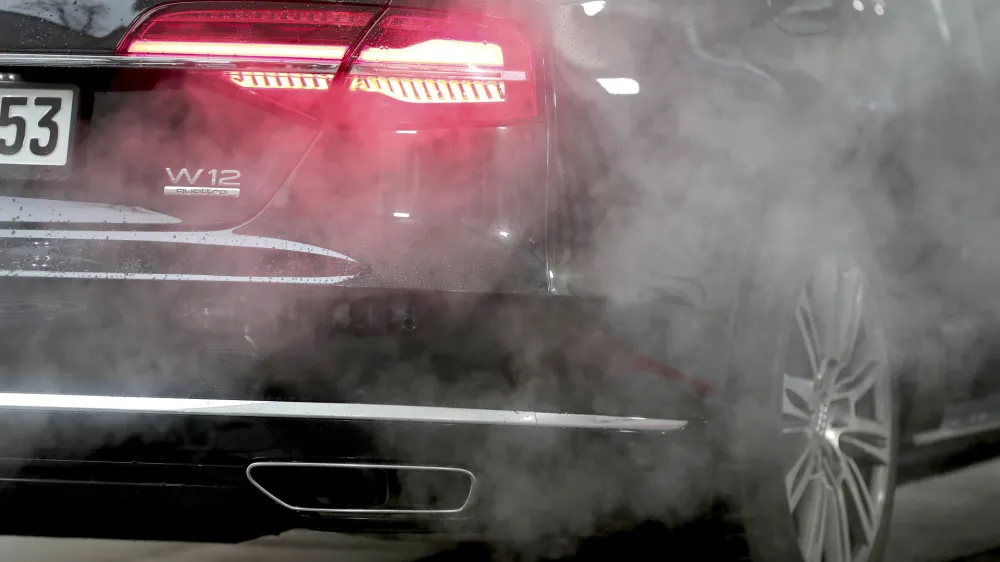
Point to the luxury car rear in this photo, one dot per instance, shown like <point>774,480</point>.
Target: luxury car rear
<point>299,144</point>
<point>298,257</point>
<point>420,265</point>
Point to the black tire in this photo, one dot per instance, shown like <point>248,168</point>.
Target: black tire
<point>795,237</point>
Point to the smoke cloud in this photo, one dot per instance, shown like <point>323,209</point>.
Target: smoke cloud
<point>897,110</point>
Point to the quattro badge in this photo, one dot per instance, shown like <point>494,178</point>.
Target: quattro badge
<point>220,183</point>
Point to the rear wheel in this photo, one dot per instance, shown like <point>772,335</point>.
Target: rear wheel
<point>816,429</point>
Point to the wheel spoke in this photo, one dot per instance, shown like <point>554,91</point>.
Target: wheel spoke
<point>813,523</point>
<point>858,382</point>
<point>869,439</point>
<point>796,398</point>
<point>850,300</point>
<point>838,533</point>
<point>800,476</point>
<point>808,331</point>
<point>864,503</point>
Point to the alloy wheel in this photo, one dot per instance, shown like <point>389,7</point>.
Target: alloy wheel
<point>838,416</point>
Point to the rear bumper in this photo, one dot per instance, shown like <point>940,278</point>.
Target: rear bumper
<point>154,468</point>
<point>139,414</point>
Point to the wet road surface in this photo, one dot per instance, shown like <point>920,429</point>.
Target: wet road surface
<point>954,518</point>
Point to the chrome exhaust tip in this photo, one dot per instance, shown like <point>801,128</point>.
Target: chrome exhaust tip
<point>364,488</point>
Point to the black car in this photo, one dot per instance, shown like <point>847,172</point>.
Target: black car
<point>507,270</point>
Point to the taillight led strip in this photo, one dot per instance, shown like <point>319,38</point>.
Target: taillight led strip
<point>271,51</point>
<point>281,80</point>
<point>436,72</point>
<point>431,90</point>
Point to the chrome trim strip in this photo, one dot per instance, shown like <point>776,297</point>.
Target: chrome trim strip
<point>225,238</point>
<point>425,71</point>
<point>31,209</point>
<point>200,237</point>
<point>113,275</point>
<point>260,64</point>
<point>468,499</point>
<point>163,62</point>
<point>331,411</point>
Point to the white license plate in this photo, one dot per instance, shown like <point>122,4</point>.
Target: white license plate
<point>36,129</point>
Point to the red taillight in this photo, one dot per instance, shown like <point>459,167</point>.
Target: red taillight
<point>257,32</point>
<point>403,68</point>
<point>426,67</point>
<point>238,50</point>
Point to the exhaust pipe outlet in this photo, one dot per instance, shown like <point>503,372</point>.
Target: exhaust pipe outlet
<point>353,488</point>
